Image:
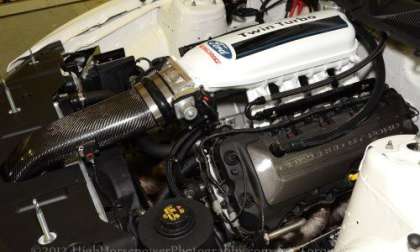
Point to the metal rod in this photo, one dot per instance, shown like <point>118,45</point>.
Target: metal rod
<point>47,236</point>
<point>13,108</point>
<point>93,193</point>
<point>284,230</point>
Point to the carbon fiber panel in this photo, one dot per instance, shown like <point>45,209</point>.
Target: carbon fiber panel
<point>106,123</point>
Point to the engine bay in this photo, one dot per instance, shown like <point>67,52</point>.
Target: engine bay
<point>247,140</point>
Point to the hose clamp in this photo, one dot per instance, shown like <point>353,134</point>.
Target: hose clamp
<point>177,79</point>
<point>160,90</point>
<point>153,107</point>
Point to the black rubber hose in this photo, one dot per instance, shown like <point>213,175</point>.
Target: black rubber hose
<point>362,35</point>
<point>379,66</point>
<point>152,148</point>
<point>178,154</point>
<point>105,123</point>
<point>188,145</point>
<point>377,52</point>
<point>186,170</point>
<point>97,96</point>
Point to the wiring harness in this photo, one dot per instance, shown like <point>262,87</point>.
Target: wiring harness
<point>293,8</point>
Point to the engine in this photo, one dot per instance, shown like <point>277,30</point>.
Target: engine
<point>249,140</point>
<point>257,169</point>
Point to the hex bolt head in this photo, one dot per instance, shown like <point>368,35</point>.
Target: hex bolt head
<point>190,113</point>
<point>389,145</point>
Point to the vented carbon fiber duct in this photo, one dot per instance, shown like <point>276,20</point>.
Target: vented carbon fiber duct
<point>106,123</point>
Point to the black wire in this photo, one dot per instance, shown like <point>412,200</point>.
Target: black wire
<point>303,143</point>
<point>236,10</point>
<point>274,5</point>
<point>288,8</point>
<point>375,53</point>
<point>211,179</point>
<point>278,125</point>
<point>362,115</point>
<point>149,62</point>
<point>284,109</point>
<point>245,193</point>
<point>261,13</point>
<point>179,152</point>
<point>181,145</point>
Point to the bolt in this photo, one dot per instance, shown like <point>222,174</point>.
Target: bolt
<point>189,193</point>
<point>231,158</point>
<point>32,57</point>
<point>47,237</point>
<point>389,145</point>
<point>234,171</point>
<point>202,187</point>
<point>190,113</point>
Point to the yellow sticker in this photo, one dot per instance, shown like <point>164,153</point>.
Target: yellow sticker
<point>173,213</point>
<point>353,177</point>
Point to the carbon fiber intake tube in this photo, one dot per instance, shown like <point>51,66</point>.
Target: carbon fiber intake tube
<point>145,106</point>
<point>106,123</point>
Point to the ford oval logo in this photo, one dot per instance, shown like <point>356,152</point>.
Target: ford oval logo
<point>220,48</point>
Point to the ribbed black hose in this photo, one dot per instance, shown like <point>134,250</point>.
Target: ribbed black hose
<point>106,123</point>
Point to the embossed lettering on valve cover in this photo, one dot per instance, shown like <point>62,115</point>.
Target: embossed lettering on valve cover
<point>337,148</point>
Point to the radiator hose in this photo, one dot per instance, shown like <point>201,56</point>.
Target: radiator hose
<point>135,111</point>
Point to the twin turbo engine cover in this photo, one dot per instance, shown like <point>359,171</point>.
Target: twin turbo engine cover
<point>273,52</point>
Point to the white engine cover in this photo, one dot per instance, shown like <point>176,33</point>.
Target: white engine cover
<point>384,208</point>
<point>273,52</point>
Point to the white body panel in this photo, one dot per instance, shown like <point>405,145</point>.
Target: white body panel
<point>151,29</point>
<point>183,20</point>
<point>403,73</point>
<point>306,56</point>
<point>384,208</point>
